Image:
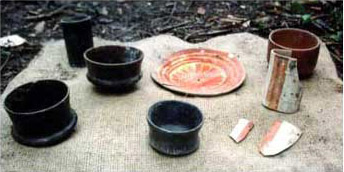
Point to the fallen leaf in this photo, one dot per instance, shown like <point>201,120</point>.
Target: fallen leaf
<point>11,41</point>
<point>247,23</point>
<point>120,11</point>
<point>104,11</point>
<point>201,10</point>
<point>39,27</point>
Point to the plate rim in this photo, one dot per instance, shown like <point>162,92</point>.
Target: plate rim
<point>175,89</point>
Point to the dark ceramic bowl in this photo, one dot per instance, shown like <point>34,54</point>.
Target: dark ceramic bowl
<point>77,33</point>
<point>303,44</point>
<point>174,127</point>
<point>113,66</point>
<point>40,113</point>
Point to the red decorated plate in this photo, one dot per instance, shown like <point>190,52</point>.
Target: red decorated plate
<point>203,72</point>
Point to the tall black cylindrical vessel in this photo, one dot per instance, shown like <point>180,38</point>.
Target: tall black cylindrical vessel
<point>41,113</point>
<point>77,33</point>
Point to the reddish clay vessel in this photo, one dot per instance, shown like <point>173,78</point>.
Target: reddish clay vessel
<point>303,44</point>
<point>199,71</point>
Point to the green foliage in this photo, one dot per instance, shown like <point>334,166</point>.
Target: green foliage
<point>261,25</point>
<point>4,54</point>
<point>337,16</point>
<point>306,18</point>
<point>338,37</point>
<point>297,8</point>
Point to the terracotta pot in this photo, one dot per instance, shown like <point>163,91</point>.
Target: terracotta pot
<point>303,44</point>
<point>77,33</point>
<point>283,91</point>
<point>41,113</point>
<point>114,67</point>
<point>174,127</point>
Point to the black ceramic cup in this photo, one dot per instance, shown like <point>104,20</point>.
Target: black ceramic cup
<point>40,113</point>
<point>77,33</point>
<point>115,67</point>
<point>174,127</point>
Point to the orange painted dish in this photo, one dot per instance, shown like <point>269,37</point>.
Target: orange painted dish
<point>202,72</point>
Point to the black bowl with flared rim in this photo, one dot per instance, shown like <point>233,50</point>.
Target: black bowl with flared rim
<point>77,33</point>
<point>113,66</point>
<point>40,112</point>
<point>174,127</point>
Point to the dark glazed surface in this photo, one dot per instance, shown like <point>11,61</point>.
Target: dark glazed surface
<point>114,54</point>
<point>77,33</point>
<point>175,116</point>
<point>41,113</point>
<point>174,127</point>
<point>36,96</point>
<point>113,66</point>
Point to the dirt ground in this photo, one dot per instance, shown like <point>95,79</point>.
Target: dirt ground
<point>193,21</point>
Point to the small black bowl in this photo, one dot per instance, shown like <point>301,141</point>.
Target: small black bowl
<point>41,113</point>
<point>174,127</point>
<point>114,67</point>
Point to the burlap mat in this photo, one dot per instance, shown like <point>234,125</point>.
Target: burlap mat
<point>112,130</point>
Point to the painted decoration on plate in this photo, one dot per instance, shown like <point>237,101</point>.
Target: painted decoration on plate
<point>203,72</point>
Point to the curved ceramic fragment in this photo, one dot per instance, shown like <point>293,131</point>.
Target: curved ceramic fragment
<point>283,91</point>
<point>200,71</point>
<point>240,131</point>
<point>280,136</point>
